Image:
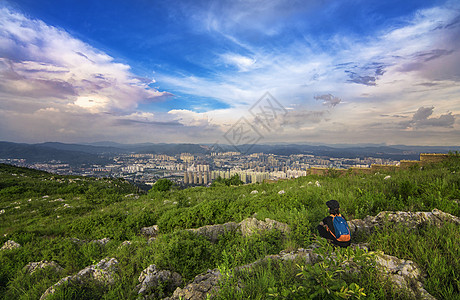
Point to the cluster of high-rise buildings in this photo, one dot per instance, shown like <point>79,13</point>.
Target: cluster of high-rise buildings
<point>202,169</point>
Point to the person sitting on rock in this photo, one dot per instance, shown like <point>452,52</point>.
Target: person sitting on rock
<point>334,227</point>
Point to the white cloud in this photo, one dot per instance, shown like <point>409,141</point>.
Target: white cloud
<point>43,61</point>
<point>243,63</point>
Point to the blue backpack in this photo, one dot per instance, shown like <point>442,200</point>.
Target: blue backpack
<point>342,232</point>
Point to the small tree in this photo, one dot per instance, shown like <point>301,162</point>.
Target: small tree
<point>162,185</point>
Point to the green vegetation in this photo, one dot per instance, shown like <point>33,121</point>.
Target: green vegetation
<point>45,213</point>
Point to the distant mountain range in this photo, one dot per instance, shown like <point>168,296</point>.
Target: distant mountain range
<point>97,153</point>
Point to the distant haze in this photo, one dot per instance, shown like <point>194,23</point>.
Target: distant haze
<point>336,72</point>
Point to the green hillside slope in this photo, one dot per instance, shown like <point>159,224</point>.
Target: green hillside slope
<point>62,218</point>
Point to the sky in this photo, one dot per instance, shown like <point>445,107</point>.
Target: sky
<point>230,72</point>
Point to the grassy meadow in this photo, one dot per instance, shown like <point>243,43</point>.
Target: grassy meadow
<point>45,213</point>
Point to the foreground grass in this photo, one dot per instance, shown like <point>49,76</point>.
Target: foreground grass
<point>108,209</point>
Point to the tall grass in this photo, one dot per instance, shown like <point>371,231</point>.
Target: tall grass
<point>104,208</point>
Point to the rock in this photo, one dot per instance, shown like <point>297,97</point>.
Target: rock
<point>247,227</point>
<point>2,211</point>
<point>9,245</point>
<point>411,220</point>
<point>387,177</point>
<point>101,273</point>
<point>101,242</point>
<point>150,231</point>
<point>212,232</point>
<point>317,183</point>
<point>281,192</point>
<point>403,274</point>
<point>34,266</point>
<point>125,243</point>
<point>254,192</point>
<point>151,278</point>
<point>252,225</point>
<point>202,285</point>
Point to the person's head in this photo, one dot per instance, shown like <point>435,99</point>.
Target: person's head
<point>333,207</point>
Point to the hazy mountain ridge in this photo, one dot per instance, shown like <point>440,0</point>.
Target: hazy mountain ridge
<point>98,152</point>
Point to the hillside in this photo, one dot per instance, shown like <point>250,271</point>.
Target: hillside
<point>77,222</point>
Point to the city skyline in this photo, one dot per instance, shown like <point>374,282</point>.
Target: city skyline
<point>323,71</point>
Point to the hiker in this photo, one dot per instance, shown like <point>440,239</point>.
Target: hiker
<point>335,222</point>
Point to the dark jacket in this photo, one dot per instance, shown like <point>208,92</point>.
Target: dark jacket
<point>327,221</point>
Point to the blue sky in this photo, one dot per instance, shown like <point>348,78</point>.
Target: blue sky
<point>190,71</point>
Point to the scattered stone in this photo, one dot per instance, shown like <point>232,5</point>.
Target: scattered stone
<point>101,273</point>
<point>309,183</point>
<point>254,192</point>
<point>57,200</point>
<point>10,244</point>
<point>67,206</point>
<point>101,242</point>
<point>150,231</point>
<point>151,278</point>
<point>387,177</point>
<point>2,211</point>
<point>34,266</point>
<point>46,196</point>
<point>17,207</point>
<point>125,243</point>
<point>281,192</point>
<point>317,183</point>
<point>403,274</point>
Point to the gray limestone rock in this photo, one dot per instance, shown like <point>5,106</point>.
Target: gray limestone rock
<point>151,278</point>
<point>247,227</point>
<point>34,266</point>
<point>151,231</point>
<point>102,273</point>
<point>10,244</point>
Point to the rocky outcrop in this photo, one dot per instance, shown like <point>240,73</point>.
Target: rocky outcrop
<point>203,285</point>
<point>247,227</point>
<point>10,244</point>
<point>34,266</point>
<point>403,274</point>
<point>151,231</point>
<point>251,226</point>
<point>212,232</point>
<point>151,278</point>
<point>102,273</point>
<point>408,219</point>
<point>101,242</point>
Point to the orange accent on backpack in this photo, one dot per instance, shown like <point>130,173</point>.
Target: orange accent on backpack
<point>343,237</point>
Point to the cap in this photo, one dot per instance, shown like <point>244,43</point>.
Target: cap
<point>332,204</point>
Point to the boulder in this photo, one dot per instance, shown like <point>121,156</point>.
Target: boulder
<point>202,285</point>
<point>403,274</point>
<point>250,226</point>
<point>212,232</point>
<point>411,220</point>
<point>10,244</point>
<point>34,266</point>
<point>151,278</point>
<point>101,273</point>
<point>101,242</point>
<point>247,227</point>
<point>151,231</point>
